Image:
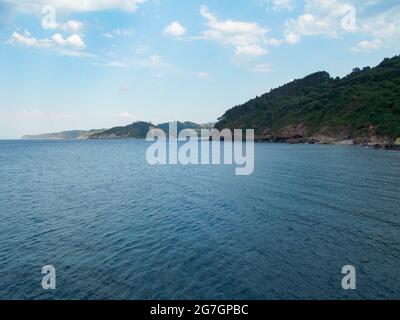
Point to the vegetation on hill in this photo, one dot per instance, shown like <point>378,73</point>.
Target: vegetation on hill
<point>363,106</point>
<point>140,129</point>
<point>136,130</point>
<point>186,125</point>
<point>180,125</point>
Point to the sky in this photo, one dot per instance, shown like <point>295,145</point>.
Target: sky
<point>92,64</point>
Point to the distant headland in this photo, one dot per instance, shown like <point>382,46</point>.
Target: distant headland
<point>136,130</point>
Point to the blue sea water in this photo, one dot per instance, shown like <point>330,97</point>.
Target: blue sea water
<point>115,227</point>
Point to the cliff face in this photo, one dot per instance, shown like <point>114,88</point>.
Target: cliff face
<point>361,108</point>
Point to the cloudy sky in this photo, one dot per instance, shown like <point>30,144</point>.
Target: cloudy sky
<point>82,64</point>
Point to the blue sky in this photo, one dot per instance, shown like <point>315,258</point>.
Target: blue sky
<point>103,63</point>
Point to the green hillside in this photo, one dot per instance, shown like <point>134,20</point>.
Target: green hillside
<point>180,126</point>
<point>139,130</point>
<point>363,106</point>
<point>136,130</point>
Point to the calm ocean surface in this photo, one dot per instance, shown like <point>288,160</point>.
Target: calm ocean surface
<point>116,228</point>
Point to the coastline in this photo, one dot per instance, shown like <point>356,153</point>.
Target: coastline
<point>348,143</point>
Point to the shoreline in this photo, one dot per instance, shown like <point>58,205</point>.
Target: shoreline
<point>350,143</point>
<point>345,143</point>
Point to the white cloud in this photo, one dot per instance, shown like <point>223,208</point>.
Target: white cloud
<point>381,30</point>
<point>248,39</point>
<point>335,18</point>
<point>279,5</point>
<point>73,41</point>
<point>57,41</point>
<point>24,39</point>
<point>27,39</point>
<point>78,5</point>
<point>292,38</point>
<point>72,26</point>
<point>385,25</point>
<point>366,46</point>
<point>329,18</point>
<point>174,29</point>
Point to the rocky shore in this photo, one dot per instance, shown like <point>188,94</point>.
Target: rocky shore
<point>380,144</point>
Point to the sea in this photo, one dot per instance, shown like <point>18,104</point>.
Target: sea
<point>115,227</point>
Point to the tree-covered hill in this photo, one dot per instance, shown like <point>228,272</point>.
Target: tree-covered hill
<point>363,106</point>
<point>136,130</point>
<point>139,130</point>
